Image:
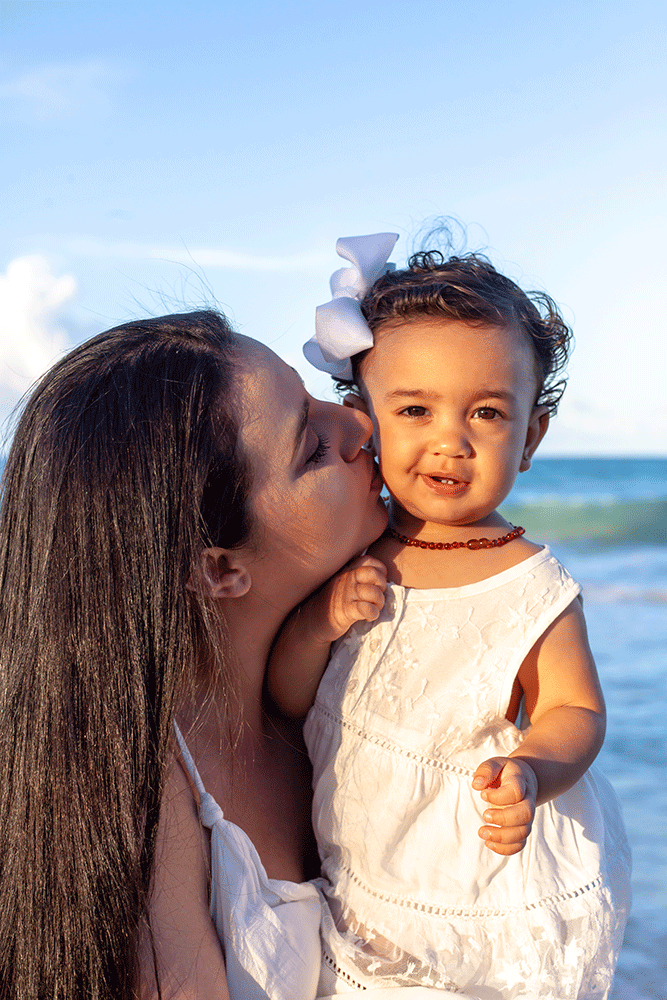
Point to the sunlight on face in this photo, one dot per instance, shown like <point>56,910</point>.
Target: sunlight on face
<point>454,415</point>
<point>315,496</point>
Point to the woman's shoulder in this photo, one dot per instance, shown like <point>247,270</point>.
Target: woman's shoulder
<point>184,942</point>
<point>181,801</point>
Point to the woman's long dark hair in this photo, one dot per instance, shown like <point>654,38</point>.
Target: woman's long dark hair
<point>123,465</point>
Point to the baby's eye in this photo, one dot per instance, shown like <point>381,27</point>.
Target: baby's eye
<point>486,413</point>
<point>414,411</point>
<point>319,453</point>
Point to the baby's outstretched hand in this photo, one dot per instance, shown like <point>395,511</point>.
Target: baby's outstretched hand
<point>510,785</point>
<point>354,594</point>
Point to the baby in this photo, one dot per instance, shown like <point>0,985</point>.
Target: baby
<point>466,842</point>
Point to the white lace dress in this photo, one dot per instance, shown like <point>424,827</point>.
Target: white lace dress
<point>407,709</point>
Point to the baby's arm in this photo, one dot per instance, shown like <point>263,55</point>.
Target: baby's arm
<point>301,650</point>
<point>566,708</point>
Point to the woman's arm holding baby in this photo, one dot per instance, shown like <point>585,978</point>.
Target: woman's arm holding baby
<point>566,708</point>
<point>302,647</point>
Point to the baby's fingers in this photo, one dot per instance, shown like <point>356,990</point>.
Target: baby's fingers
<point>370,601</point>
<point>520,815</point>
<point>371,576</point>
<point>488,773</point>
<point>505,840</point>
<point>509,792</point>
<point>368,566</point>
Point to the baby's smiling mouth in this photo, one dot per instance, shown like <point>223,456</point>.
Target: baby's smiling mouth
<point>444,485</point>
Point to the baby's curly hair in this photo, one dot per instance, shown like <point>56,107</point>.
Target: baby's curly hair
<point>470,289</point>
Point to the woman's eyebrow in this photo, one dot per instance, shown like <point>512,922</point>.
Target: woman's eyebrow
<point>301,426</point>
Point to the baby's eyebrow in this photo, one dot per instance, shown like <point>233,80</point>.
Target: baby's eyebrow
<point>502,394</point>
<point>412,394</point>
<point>430,394</point>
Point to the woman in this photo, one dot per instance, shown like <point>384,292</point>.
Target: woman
<point>172,492</point>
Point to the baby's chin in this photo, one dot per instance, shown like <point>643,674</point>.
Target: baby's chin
<point>481,518</point>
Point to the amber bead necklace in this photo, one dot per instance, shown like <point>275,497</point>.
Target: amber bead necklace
<point>472,543</point>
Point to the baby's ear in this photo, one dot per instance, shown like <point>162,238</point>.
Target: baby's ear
<point>537,428</point>
<point>355,402</point>
<point>220,573</point>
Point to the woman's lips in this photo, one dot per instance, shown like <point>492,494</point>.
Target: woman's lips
<point>445,486</point>
<point>376,480</point>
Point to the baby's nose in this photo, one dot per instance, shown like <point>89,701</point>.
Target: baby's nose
<point>452,442</point>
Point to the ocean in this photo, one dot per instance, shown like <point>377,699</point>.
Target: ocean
<point>606,519</point>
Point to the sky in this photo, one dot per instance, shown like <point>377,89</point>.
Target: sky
<point>158,157</point>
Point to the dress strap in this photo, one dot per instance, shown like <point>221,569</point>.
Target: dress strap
<point>189,762</point>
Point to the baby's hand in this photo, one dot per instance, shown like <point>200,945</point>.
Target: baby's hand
<point>510,784</point>
<point>354,594</point>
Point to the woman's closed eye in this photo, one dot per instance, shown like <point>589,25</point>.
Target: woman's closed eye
<point>320,451</point>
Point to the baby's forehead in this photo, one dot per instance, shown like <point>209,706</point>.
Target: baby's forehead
<point>406,337</point>
<point>426,349</point>
<point>444,326</point>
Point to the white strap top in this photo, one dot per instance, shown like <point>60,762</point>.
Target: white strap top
<point>269,928</point>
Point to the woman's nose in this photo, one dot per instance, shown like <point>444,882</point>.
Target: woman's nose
<point>357,429</point>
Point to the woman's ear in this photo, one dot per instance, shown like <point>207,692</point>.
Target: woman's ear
<point>537,428</point>
<point>220,573</point>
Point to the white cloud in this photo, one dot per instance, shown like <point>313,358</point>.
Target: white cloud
<point>32,300</point>
<point>59,90</point>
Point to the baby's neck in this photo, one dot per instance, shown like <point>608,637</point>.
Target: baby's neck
<point>429,569</point>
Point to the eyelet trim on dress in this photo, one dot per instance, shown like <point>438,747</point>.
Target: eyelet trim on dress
<point>463,911</point>
<point>405,980</point>
<point>340,973</point>
<point>433,762</point>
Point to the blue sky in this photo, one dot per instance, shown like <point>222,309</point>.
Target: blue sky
<point>160,156</point>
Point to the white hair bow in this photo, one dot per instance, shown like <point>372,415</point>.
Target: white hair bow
<point>340,328</point>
